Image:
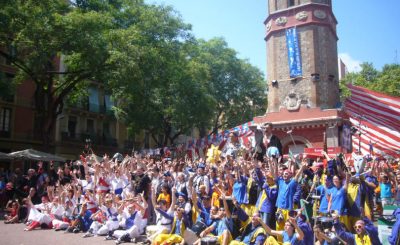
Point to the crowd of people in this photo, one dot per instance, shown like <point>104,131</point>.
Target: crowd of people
<point>252,196</point>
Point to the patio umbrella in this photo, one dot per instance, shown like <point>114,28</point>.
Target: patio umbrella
<point>31,154</point>
<point>4,156</point>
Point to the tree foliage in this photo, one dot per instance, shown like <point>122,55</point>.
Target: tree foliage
<point>386,81</point>
<point>237,88</point>
<point>162,79</point>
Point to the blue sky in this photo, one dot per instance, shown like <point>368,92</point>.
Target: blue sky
<point>368,30</point>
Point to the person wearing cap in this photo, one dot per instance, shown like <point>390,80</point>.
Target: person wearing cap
<point>201,179</point>
<point>183,203</point>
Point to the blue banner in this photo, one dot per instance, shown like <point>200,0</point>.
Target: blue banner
<point>294,57</point>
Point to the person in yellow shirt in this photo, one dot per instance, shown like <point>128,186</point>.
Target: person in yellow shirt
<point>164,195</point>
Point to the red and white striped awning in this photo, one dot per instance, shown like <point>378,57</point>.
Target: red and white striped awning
<point>377,117</point>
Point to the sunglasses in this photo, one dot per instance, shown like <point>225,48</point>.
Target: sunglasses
<point>358,227</point>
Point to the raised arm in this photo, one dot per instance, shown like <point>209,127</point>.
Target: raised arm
<point>153,197</point>
<point>346,185</point>
<point>304,165</point>
<point>297,228</point>
<point>194,197</point>
<point>268,229</point>
<point>226,207</point>
<point>173,202</point>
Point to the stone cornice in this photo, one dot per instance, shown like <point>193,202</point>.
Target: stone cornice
<point>301,15</point>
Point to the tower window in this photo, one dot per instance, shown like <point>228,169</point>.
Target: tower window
<point>290,3</point>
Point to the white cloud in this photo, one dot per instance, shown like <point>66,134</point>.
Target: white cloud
<point>352,65</point>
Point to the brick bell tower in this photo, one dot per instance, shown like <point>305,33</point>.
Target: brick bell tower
<point>302,71</point>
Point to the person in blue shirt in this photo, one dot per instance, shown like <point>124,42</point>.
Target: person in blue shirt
<point>324,191</point>
<point>267,199</point>
<point>252,233</point>
<point>386,190</point>
<point>286,189</point>
<point>338,195</point>
<point>292,234</point>
<point>305,227</point>
<point>202,208</point>
<point>221,227</point>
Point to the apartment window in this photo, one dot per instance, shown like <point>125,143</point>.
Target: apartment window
<point>5,121</point>
<point>94,105</point>
<point>7,93</point>
<point>72,122</point>
<point>108,103</point>
<point>90,126</point>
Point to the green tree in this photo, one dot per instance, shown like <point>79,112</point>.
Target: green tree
<point>38,32</point>
<point>386,81</point>
<point>238,89</point>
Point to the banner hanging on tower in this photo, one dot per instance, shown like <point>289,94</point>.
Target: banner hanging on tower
<point>294,57</point>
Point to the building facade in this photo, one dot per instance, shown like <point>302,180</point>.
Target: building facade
<point>91,120</point>
<point>302,73</point>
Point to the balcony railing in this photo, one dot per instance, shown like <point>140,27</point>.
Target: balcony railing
<point>95,108</point>
<point>94,139</point>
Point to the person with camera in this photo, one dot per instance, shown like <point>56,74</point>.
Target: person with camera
<point>292,234</point>
<point>324,236</point>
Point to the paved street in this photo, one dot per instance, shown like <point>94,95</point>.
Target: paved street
<point>14,234</point>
